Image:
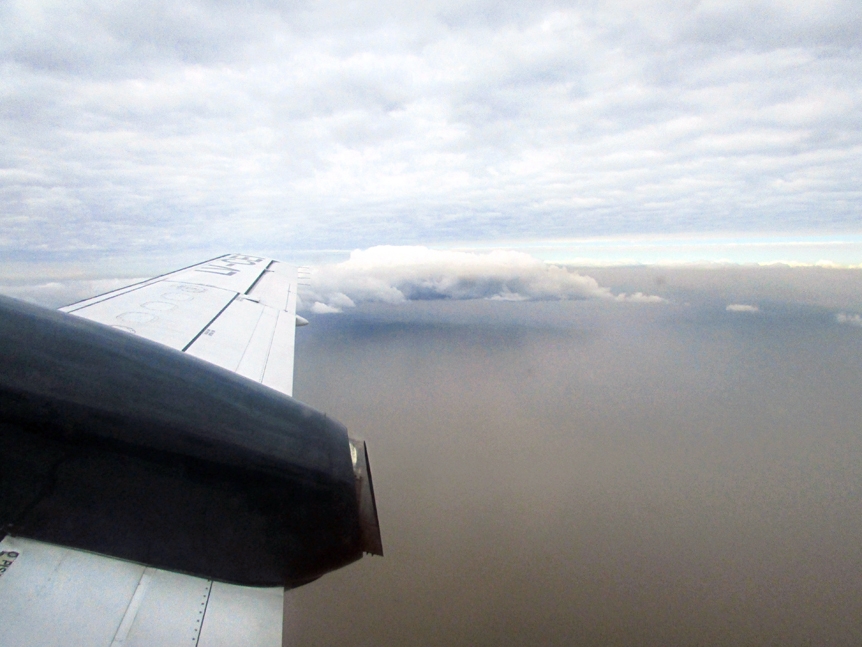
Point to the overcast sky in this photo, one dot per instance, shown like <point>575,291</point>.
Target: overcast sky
<point>134,128</point>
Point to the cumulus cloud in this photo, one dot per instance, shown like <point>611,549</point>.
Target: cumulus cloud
<point>640,297</point>
<point>742,307</point>
<point>850,319</point>
<point>323,309</point>
<point>395,274</point>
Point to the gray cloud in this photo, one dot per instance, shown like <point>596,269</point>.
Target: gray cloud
<point>335,125</point>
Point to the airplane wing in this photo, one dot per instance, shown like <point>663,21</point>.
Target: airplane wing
<point>239,313</point>
<point>57,596</point>
<point>234,311</point>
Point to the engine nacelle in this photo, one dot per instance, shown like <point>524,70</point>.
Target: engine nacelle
<point>117,445</point>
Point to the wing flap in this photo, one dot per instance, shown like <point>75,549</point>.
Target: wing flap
<point>255,335</point>
<point>226,338</point>
<point>278,374</point>
<point>274,286</point>
<point>254,359</point>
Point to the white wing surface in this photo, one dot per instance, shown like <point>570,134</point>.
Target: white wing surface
<point>56,597</point>
<point>235,311</point>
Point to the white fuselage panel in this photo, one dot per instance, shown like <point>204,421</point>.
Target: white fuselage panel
<point>53,596</point>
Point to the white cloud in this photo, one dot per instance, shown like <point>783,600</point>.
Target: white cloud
<point>640,297</point>
<point>850,319</point>
<point>322,308</point>
<point>395,274</point>
<point>147,125</point>
<point>741,307</point>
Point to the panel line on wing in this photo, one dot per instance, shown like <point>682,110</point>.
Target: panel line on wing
<point>278,372</point>
<point>262,274</point>
<point>203,613</point>
<point>204,329</point>
<point>253,361</point>
<point>132,610</point>
<point>279,314</point>
<point>269,348</point>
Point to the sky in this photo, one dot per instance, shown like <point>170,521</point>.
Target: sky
<point>134,136</point>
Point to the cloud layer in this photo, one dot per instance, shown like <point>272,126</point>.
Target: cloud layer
<point>850,319</point>
<point>390,274</point>
<point>335,125</point>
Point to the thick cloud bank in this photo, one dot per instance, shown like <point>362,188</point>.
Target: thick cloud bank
<point>392,274</point>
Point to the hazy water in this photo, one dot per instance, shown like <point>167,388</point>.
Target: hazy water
<point>600,473</point>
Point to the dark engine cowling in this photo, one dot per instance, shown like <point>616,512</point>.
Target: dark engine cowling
<point>114,444</point>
